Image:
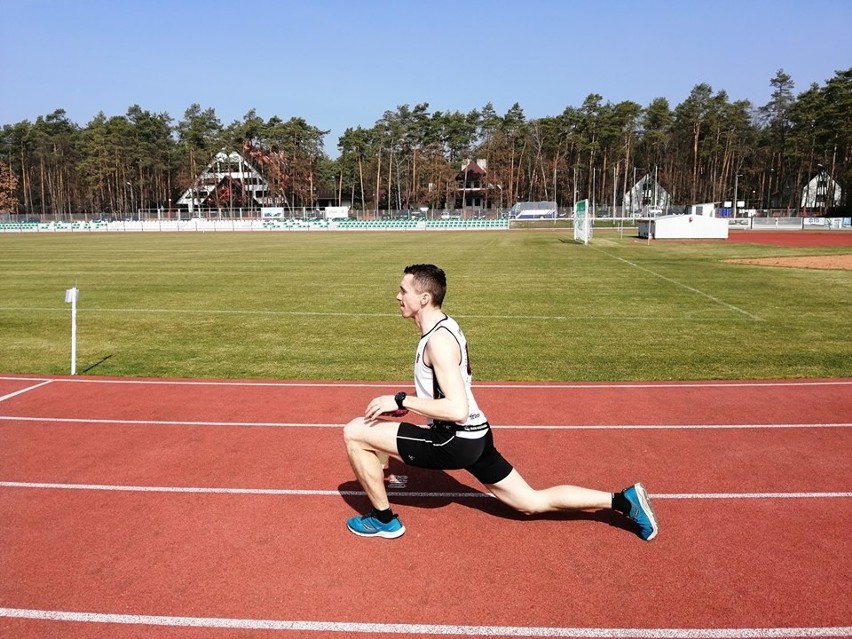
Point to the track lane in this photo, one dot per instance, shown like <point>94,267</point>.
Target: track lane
<point>750,563</point>
<point>667,461</point>
<point>251,558</point>
<point>599,404</point>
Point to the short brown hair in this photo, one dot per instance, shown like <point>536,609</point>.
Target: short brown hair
<point>431,279</point>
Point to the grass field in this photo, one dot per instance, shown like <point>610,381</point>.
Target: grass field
<point>534,306</point>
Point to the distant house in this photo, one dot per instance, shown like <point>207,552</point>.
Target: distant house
<point>234,180</point>
<point>821,193</point>
<point>471,187</point>
<point>646,197</point>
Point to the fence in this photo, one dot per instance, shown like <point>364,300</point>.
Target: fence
<point>249,225</point>
<point>309,220</point>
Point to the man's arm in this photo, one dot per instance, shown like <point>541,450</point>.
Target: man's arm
<point>443,355</point>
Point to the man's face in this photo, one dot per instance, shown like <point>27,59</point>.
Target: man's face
<point>410,300</point>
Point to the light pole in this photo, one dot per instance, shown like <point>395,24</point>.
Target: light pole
<point>575,187</point>
<point>656,194</point>
<point>615,187</point>
<point>736,186</point>
<point>821,178</point>
<point>768,204</point>
<point>594,176</point>
<point>633,195</point>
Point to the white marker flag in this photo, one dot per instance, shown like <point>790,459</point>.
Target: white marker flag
<point>71,297</point>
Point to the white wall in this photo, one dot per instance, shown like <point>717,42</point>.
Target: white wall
<point>683,227</point>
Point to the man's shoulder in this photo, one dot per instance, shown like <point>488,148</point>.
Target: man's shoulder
<point>450,323</point>
<point>444,341</point>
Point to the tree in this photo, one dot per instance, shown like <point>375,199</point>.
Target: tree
<point>8,189</point>
<point>199,137</point>
<point>690,123</point>
<point>15,146</point>
<point>775,115</point>
<point>151,157</point>
<point>411,156</point>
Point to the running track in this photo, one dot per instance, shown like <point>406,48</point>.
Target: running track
<point>189,509</point>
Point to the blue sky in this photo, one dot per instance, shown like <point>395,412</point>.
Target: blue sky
<point>344,63</point>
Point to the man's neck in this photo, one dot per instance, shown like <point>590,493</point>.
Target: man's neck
<point>428,317</point>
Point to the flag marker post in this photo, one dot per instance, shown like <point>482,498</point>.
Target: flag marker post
<point>71,297</point>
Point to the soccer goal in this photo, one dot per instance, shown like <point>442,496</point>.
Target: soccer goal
<point>582,222</point>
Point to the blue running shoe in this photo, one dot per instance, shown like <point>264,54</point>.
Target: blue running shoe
<point>368,526</point>
<point>640,511</point>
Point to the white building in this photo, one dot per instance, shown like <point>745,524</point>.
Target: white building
<point>646,197</point>
<point>229,181</point>
<point>821,192</point>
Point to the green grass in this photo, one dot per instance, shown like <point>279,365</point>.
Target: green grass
<point>321,306</point>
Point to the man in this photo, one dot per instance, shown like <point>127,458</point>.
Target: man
<point>458,434</point>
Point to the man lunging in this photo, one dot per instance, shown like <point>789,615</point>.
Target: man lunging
<point>458,435</point>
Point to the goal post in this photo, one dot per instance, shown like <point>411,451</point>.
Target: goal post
<point>582,222</point>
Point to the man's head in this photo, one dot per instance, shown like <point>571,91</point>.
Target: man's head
<point>428,278</point>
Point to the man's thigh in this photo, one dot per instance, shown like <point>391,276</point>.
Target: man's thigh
<point>374,434</point>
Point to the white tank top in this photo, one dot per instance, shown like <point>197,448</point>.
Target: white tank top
<point>427,385</point>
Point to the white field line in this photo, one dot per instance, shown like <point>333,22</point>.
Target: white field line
<point>189,311</point>
<point>25,390</point>
<point>497,385</point>
<point>153,422</point>
<point>424,629</point>
<point>208,311</point>
<point>400,494</point>
<point>686,286</point>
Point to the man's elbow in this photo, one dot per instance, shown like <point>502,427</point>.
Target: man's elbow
<point>459,414</point>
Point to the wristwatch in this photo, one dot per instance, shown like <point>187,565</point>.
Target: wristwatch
<point>399,398</point>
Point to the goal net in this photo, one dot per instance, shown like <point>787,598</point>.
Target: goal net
<point>582,222</point>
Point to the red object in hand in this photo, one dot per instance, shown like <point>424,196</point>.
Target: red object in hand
<point>399,412</point>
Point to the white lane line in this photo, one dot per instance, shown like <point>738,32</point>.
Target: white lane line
<point>294,492</point>
<point>152,422</point>
<point>424,629</point>
<point>672,385</point>
<point>497,385</point>
<point>216,383</point>
<point>196,490</point>
<point>25,390</point>
<point>673,426</point>
<point>567,427</point>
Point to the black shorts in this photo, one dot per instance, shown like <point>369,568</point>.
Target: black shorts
<point>445,450</point>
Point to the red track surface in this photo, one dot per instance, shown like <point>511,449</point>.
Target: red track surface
<point>793,238</point>
<point>164,508</point>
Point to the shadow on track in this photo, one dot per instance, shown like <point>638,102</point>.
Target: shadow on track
<point>444,489</point>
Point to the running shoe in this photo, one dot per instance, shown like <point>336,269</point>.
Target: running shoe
<point>368,526</point>
<point>641,512</point>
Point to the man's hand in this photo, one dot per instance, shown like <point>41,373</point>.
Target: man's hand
<point>383,406</point>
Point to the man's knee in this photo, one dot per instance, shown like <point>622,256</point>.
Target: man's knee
<point>532,505</point>
<point>353,431</point>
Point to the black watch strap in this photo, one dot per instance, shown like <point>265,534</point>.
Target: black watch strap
<point>399,398</point>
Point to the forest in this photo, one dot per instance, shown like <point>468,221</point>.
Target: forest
<point>411,157</point>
